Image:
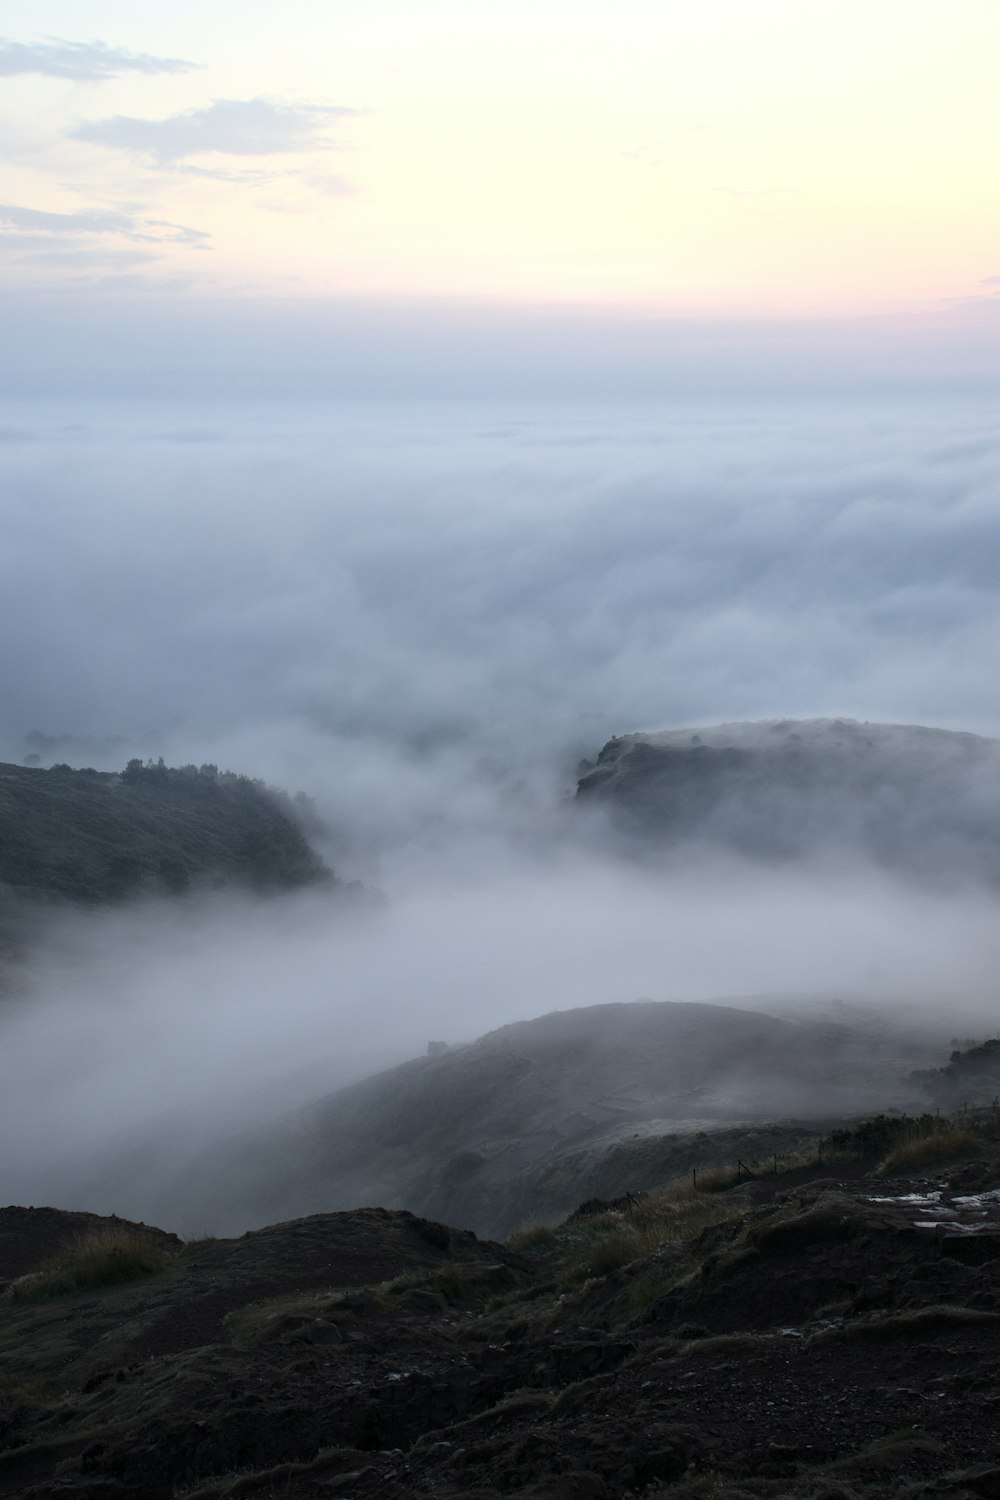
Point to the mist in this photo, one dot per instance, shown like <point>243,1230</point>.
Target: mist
<point>424,615</point>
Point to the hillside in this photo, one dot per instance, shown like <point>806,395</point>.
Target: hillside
<point>537,1116</point>
<point>89,836</point>
<point>821,1330</point>
<point>922,801</point>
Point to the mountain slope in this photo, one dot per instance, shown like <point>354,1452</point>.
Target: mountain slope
<point>539,1115</point>
<point>925,801</point>
<point>91,836</point>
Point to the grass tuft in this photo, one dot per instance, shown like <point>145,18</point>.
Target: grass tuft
<point>661,1221</point>
<point>99,1257</point>
<point>532,1236</point>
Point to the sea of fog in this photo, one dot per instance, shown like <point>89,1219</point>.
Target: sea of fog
<point>424,616</point>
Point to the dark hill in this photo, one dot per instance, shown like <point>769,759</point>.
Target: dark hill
<point>537,1116</point>
<point>924,801</point>
<point>90,836</point>
<point>814,1334</point>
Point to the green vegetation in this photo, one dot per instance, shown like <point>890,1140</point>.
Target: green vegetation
<point>100,1257</point>
<point>89,836</point>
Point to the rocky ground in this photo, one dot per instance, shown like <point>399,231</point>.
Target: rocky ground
<point>820,1334</point>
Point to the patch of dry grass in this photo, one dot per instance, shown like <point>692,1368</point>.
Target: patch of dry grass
<point>660,1220</point>
<point>941,1317</point>
<point>926,1147</point>
<point>99,1257</point>
<point>531,1236</point>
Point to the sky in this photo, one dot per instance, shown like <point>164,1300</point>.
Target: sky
<point>235,179</point>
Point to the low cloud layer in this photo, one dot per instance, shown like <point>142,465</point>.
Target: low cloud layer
<point>143,1038</point>
<point>424,616</point>
<point>18,224</point>
<point>414,573</point>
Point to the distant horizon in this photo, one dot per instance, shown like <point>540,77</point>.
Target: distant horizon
<point>126,346</point>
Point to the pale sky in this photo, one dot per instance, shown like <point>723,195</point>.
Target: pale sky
<point>720,159</point>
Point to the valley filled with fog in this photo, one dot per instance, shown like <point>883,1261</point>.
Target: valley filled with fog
<point>429,618</point>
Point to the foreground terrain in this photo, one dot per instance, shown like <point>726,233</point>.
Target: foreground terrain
<point>813,1330</point>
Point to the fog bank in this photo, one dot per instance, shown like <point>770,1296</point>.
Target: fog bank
<point>423,616</point>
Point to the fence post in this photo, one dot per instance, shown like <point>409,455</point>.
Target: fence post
<point>694,1177</point>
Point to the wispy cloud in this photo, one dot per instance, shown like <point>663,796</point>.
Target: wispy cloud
<point>40,223</point>
<point>39,227</point>
<point>228,127</point>
<point>83,62</point>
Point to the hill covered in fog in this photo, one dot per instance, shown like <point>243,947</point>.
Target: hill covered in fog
<point>922,801</point>
<point>88,836</point>
<point>539,1115</point>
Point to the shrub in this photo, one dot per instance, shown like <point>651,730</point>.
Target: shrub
<point>103,1256</point>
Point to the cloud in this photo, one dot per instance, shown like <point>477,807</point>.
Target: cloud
<point>424,614</point>
<point>83,62</point>
<point>192,1023</point>
<point>446,570</point>
<point>38,251</point>
<point>228,127</point>
<point>42,223</point>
